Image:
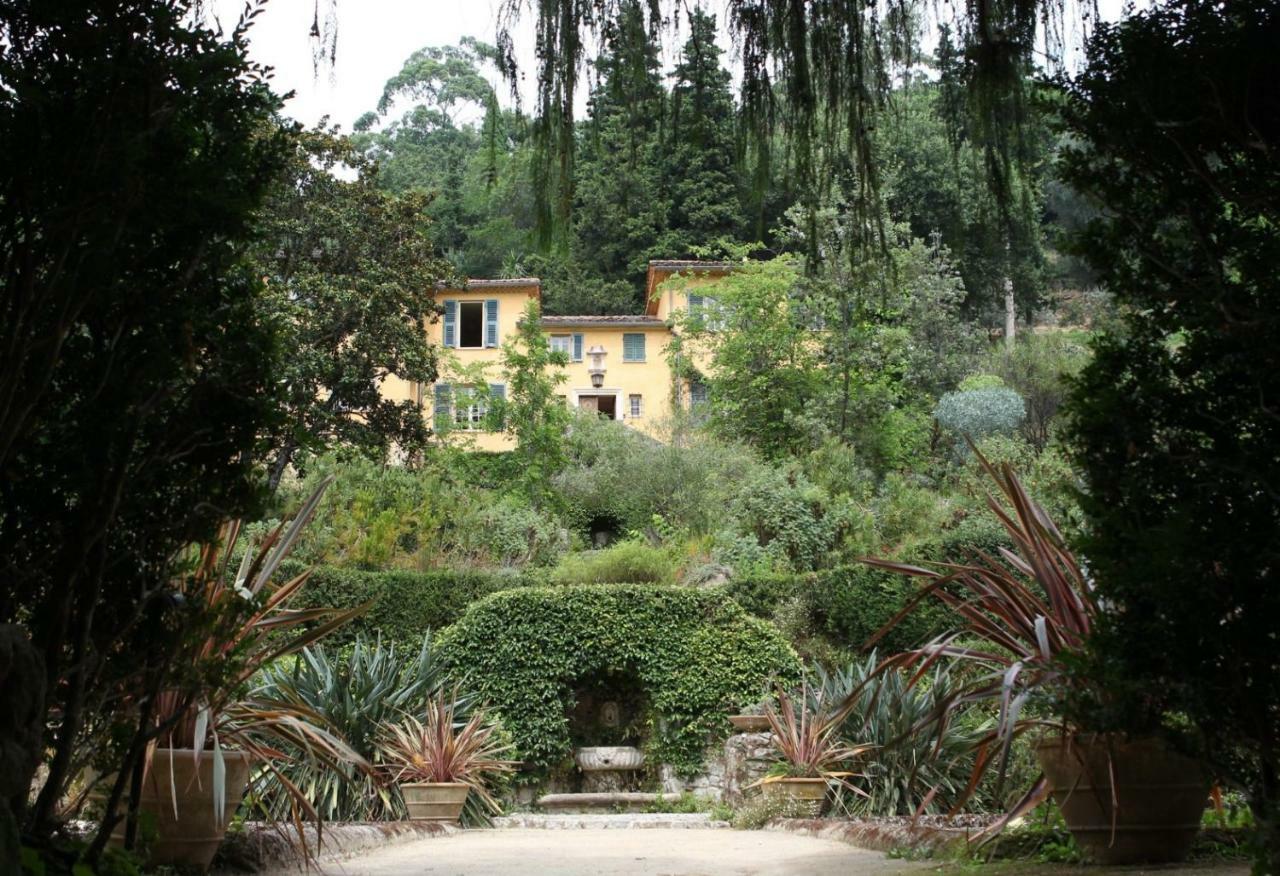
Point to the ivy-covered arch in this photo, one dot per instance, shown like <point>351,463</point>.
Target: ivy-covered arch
<point>696,652</point>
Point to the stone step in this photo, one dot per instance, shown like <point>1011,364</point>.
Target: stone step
<point>596,800</point>
<point>611,821</point>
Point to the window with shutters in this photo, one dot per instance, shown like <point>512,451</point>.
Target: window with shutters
<point>633,347</point>
<point>697,393</point>
<point>562,344</point>
<point>470,409</point>
<point>706,312</point>
<point>471,325</point>
<point>636,404</point>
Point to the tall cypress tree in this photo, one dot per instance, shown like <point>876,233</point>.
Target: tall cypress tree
<point>621,205</point>
<point>701,168</point>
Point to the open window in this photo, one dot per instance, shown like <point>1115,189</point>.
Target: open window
<point>471,324</point>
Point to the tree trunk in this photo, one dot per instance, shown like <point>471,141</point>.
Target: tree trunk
<point>1010,314</point>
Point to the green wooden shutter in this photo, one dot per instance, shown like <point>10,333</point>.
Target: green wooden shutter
<point>577,347</point>
<point>491,322</point>
<point>497,400</point>
<point>443,400</point>
<point>451,323</point>
<point>633,347</point>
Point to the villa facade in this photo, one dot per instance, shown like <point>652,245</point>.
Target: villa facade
<point>618,367</point>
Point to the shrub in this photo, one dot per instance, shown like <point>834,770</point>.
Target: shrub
<point>847,604</point>
<point>695,652</point>
<point>852,603</point>
<point>617,474</point>
<point>378,517</point>
<point>786,516</point>
<point>630,562</point>
<point>1038,368</point>
<point>405,605</point>
<point>978,413</point>
<point>981,381</point>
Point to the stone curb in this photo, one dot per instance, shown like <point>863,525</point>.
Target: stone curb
<point>264,850</point>
<point>878,836</point>
<point>612,821</point>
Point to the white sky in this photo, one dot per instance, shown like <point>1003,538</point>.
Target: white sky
<point>375,37</point>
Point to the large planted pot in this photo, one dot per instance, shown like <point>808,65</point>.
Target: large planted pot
<point>434,801</point>
<point>1160,796</point>
<point>190,838</point>
<point>804,790</point>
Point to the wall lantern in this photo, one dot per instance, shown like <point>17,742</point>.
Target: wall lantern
<point>596,370</point>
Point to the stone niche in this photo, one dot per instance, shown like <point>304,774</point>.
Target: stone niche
<point>609,709</point>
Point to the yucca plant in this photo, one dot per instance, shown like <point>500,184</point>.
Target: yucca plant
<point>806,733</point>
<point>1019,614</point>
<point>355,695</point>
<point>909,772</point>
<point>242,622</point>
<point>442,748</point>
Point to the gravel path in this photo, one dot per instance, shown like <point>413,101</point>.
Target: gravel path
<point>654,851</point>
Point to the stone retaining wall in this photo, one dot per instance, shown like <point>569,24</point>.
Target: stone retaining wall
<point>268,851</point>
<point>881,835</point>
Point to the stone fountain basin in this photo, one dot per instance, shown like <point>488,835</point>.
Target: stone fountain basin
<point>608,757</point>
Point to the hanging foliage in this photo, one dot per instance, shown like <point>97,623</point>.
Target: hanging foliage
<point>818,73</point>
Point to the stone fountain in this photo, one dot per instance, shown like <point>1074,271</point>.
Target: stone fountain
<point>607,768</point>
<point>608,775</point>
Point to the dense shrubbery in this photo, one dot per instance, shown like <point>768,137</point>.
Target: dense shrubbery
<point>404,604</point>
<point>629,562</point>
<point>618,475</point>
<point>431,516</point>
<point>696,654</point>
<point>846,606</point>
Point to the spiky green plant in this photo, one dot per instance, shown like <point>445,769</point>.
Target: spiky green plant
<point>908,772</point>
<point>355,695</point>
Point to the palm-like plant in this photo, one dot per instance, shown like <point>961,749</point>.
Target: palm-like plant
<point>806,733</point>
<point>1020,614</point>
<point>243,623</point>
<point>355,696</point>
<point>443,748</point>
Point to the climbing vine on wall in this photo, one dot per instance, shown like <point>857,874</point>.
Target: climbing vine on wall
<point>696,653</point>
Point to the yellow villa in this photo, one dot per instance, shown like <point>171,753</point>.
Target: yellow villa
<point>618,365</point>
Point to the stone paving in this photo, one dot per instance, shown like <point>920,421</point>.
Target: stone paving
<point>665,851</point>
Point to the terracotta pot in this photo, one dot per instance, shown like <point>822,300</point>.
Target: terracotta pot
<point>749,723</point>
<point>192,838</point>
<point>808,790</point>
<point>434,801</point>
<point>1161,796</point>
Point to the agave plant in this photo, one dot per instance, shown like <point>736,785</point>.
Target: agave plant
<point>911,772</point>
<point>1020,614</point>
<point>242,623</point>
<point>442,748</point>
<point>355,696</point>
<point>806,733</point>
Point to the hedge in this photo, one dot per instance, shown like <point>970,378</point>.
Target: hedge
<point>696,653</point>
<point>848,604</point>
<point>405,603</point>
